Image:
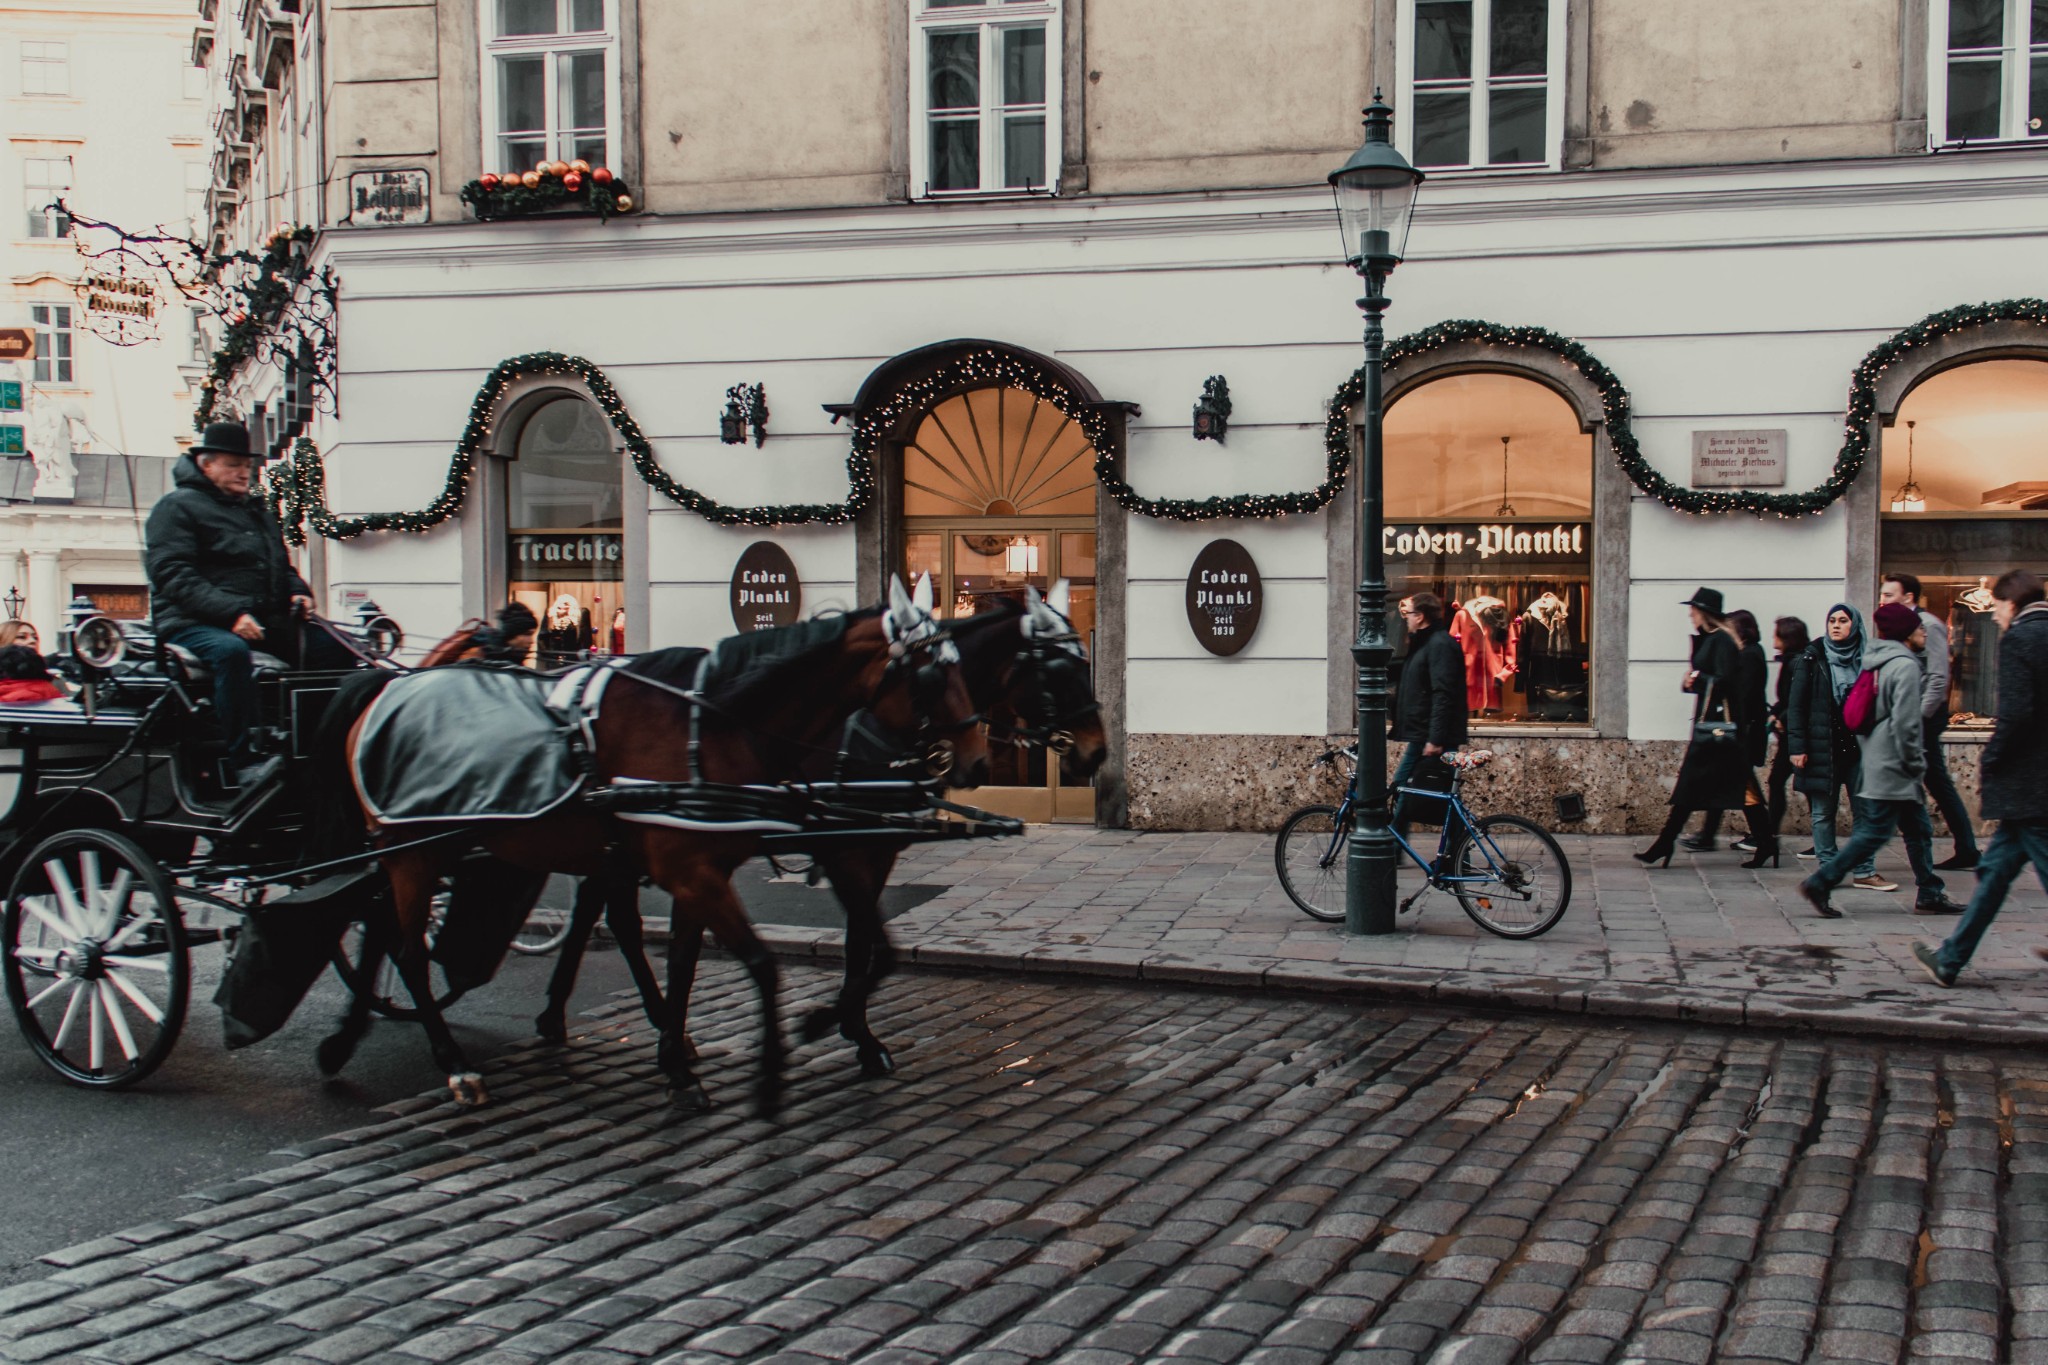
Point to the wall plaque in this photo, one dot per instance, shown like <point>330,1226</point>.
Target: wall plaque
<point>766,591</point>
<point>1224,597</point>
<point>387,198</point>
<point>1738,459</point>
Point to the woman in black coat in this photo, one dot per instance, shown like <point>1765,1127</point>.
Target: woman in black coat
<point>1716,774</point>
<point>1792,639</point>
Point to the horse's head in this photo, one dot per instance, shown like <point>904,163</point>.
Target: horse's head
<point>922,693</point>
<point>1052,688</point>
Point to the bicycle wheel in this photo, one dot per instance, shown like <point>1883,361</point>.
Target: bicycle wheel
<point>1528,883</point>
<point>1309,855</point>
<point>545,928</point>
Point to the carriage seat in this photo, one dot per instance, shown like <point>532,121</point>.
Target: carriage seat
<point>198,674</point>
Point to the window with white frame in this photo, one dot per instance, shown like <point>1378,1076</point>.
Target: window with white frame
<point>551,82</point>
<point>192,81</point>
<point>45,68</point>
<point>985,95</point>
<point>198,179</point>
<point>1481,83</point>
<point>45,179</point>
<point>1989,75</point>
<point>54,336</point>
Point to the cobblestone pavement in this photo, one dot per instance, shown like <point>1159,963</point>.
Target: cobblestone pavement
<point>1703,940</point>
<point>1101,1172</point>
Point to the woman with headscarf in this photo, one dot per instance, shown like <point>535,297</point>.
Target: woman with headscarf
<point>1823,750</point>
<point>1715,773</point>
<point>565,635</point>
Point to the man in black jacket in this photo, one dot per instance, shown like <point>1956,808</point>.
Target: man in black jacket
<point>2013,771</point>
<point>221,583</point>
<point>1429,707</point>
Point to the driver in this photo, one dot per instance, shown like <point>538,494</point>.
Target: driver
<point>221,583</point>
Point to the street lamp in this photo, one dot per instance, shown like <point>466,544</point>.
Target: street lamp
<point>15,602</point>
<point>1375,192</point>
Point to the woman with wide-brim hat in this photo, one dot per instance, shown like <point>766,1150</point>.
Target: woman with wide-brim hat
<point>1715,772</point>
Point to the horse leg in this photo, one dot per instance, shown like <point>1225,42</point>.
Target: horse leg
<point>857,882</point>
<point>676,1055</point>
<point>622,917</point>
<point>336,1049</point>
<point>552,1023</point>
<point>412,884</point>
<point>701,883</point>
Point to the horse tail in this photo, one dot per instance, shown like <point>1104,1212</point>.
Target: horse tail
<point>334,815</point>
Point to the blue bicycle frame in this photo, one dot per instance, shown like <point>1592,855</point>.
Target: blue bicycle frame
<point>1456,810</point>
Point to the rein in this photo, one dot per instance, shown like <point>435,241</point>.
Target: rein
<point>1050,729</point>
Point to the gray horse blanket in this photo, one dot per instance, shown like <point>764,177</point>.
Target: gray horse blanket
<point>465,743</point>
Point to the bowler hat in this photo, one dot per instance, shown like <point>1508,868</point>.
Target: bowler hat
<point>1707,600</point>
<point>224,438</point>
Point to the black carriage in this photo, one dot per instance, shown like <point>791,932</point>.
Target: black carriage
<point>123,846</point>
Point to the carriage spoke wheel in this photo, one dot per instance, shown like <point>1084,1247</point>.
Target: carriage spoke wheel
<point>95,958</point>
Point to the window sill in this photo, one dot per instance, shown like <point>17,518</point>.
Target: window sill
<point>1989,144</point>
<point>1510,729</point>
<point>1481,172</point>
<point>980,196</point>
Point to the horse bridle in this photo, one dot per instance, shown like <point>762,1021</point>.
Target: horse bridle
<point>925,651</point>
<point>1049,729</point>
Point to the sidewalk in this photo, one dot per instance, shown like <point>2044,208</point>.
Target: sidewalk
<point>1701,941</point>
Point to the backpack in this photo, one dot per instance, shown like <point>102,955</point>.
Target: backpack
<point>1859,707</point>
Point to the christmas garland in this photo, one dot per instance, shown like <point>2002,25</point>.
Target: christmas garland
<point>549,186</point>
<point>298,492</point>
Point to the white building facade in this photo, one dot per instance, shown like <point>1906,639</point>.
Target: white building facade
<point>995,387</point>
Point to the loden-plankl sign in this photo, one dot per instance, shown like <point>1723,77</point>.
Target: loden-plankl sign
<point>1225,597</point>
<point>766,591</point>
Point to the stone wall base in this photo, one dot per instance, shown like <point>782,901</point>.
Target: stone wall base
<point>1252,782</point>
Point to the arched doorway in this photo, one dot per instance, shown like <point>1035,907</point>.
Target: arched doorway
<point>564,524</point>
<point>999,493</point>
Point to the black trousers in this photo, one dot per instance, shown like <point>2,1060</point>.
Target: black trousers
<point>1756,813</point>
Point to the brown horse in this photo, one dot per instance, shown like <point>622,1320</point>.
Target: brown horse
<point>1027,669</point>
<point>786,699</point>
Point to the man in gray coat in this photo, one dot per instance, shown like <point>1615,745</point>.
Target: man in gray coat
<point>2015,770</point>
<point>1904,588</point>
<point>1888,779</point>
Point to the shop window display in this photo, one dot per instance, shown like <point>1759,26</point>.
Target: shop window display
<point>565,544</point>
<point>1965,494</point>
<point>1489,495</point>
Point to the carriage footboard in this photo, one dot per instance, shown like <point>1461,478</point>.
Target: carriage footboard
<point>791,815</point>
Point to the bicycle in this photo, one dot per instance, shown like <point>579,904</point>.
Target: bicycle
<point>1507,872</point>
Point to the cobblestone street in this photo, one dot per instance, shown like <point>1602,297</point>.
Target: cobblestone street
<point>1103,1172</point>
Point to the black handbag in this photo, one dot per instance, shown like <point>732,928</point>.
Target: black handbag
<point>1714,733</point>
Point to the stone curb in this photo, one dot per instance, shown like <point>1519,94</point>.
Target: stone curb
<point>1818,1012</point>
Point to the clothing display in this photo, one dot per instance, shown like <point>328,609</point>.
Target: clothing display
<point>1524,643</point>
<point>1973,664</point>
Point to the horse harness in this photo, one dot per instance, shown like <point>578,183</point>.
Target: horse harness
<point>1044,656</point>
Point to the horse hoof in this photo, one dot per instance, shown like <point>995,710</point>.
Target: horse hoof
<point>689,1098</point>
<point>768,1101</point>
<point>333,1054</point>
<point>817,1024</point>
<point>552,1028</point>
<point>875,1061</point>
<point>468,1089</point>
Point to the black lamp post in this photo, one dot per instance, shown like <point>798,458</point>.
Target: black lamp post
<point>1375,193</point>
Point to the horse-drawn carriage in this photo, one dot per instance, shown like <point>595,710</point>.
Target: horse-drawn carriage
<point>122,847</point>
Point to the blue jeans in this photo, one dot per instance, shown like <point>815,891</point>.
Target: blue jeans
<point>2013,845</point>
<point>234,684</point>
<point>1824,809</point>
<point>1875,821</point>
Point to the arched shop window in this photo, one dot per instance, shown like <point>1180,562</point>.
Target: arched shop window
<point>1964,497</point>
<point>565,526</point>
<point>1489,505</point>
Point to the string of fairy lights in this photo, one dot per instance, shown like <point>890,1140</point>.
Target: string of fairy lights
<point>297,490</point>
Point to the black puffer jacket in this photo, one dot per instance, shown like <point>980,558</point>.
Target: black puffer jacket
<point>212,557</point>
<point>2015,762</point>
<point>1813,724</point>
<point>1430,704</point>
<point>1752,676</point>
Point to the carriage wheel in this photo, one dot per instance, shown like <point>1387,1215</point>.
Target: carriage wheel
<point>95,960</point>
<point>388,995</point>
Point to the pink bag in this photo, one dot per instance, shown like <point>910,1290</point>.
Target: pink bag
<point>1859,708</point>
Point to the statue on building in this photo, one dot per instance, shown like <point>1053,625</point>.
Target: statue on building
<point>50,444</point>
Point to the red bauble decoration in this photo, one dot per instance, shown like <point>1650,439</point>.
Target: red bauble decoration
<point>489,181</point>
<point>572,182</point>
<point>601,176</point>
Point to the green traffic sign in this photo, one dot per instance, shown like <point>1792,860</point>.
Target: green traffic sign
<point>13,441</point>
<point>10,395</point>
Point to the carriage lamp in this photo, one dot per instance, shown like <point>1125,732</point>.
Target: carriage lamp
<point>1020,557</point>
<point>1375,193</point>
<point>732,423</point>
<point>1212,410</point>
<point>15,602</point>
<point>1909,498</point>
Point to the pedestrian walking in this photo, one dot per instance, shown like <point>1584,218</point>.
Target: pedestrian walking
<point>1894,759</point>
<point>1753,731</point>
<point>1823,753</point>
<point>1715,773</point>
<point>1429,705</point>
<point>1790,639</point>
<point>1904,588</point>
<point>2014,771</point>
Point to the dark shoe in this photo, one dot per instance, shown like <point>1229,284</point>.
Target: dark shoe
<point>1762,856</point>
<point>1957,862</point>
<point>1742,846</point>
<point>1930,959</point>
<point>1937,905</point>
<point>1698,843</point>
<point>1817,897</point>
<point>1656,853</point>
<point>1808,854</point>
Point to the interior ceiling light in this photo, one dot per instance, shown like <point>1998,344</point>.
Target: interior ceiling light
<point>1506,508</point>
<point>1909,498</point>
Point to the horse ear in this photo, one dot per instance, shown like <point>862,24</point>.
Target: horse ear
<point>1061,593</point>
<point>922,597</point>
<point>901,608</point>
